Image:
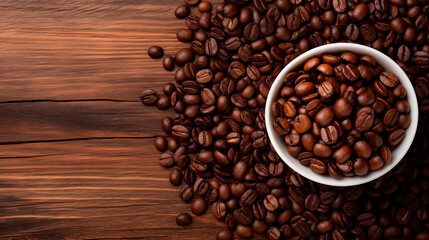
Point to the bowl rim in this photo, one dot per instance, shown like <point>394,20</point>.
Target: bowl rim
<point>388,65</point>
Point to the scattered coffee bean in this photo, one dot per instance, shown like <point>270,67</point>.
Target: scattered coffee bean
<point>182,11</point>
<point>184,219</point>
<point>149,97</point>
<point>155,52</point>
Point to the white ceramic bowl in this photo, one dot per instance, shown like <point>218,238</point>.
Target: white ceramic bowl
<point>337,48</point>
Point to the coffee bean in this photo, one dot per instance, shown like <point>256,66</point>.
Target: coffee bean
<point>184,56</point>
<point>184,219</point>
<point>396,137</point>
<point>166,160</point>
<point>389,79</point>
<point>224,234</point>
<point>271,203</point>
<point>236,70</point>
<point>350,72</point>
<point>364,119</point>
<point>204,76</point>
<point>180,132</point>
<point>248,197</point>
<point>191,2</point>
<point>149,97</point>
<point>244,215</point>
<point>302,228</point>
<point>204,6</point>
<point>218,210</point>
<point>198,206</point>
<point>362,149</point>
<point>318,166</point>
<point>339,5</point>
<point>155,52</point>
<point>302,123</point>
<point>324,116</point>
<point>312,202</point>
<point>391,118</point>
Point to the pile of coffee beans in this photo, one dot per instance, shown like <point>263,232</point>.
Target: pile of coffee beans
<point>341,114</point>
<point>217,144</point>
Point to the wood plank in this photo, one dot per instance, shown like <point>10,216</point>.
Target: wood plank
<point>40,121</point>
<point>83,49</point>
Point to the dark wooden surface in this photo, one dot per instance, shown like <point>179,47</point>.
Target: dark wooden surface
<point>76,147</point>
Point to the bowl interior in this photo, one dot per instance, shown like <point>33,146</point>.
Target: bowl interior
<point>335,48</point>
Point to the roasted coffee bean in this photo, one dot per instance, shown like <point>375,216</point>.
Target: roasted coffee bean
<point>350,72</point>
<point>362,149</point>
<point>244,215</point>
<point>389,79</point>
<point>166,160</point>
<point>184,56</point>
<point>302,123</point>
<point>364,119</point>
<point>155,52</point>
<point>312,202</point>
<point>313,107</point>
<point>391,118</point>
<point>248,197</point>
<point>329,134</point>
<point>302,228</point>
<point>236,70</point>
<point>198,206</point>
<point>211,47</point>
<point>184,219</point>
<point>271,203</point>
<point>224,234</point>
<point>219,210</point>
<point>149,97</point>
<point>396,137</point>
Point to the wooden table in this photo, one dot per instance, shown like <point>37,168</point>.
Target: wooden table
<point>76,146</point>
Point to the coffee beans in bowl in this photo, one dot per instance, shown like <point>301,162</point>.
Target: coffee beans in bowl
<point>340,113</point>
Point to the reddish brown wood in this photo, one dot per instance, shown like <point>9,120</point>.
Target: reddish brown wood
<point>76,154</point>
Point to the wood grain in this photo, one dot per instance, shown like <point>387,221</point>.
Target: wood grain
<point>76,154</point>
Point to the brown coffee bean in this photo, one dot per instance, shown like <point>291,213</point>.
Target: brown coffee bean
<point>180,132</point>
<point>362,149</point>
<point>176,176</point>
<point>311,64</point>
<point>184,219</point>
<point>302,123</point>
<point>204,76</point>
<point>350,72</point>
<point>304,88</point>
<point>149,97</point>
<point>155,52</point>
<point>329,134</point>
<point>364,119</point>
<point>326,69</point>
<point>324,116</point>
<point>391,118</point>
<point>322,150</point>
<point>389,79</point>
<point>198,206</point>
<point>289,109</point>
<point>396,137</point>
<point>360,12</point>
<point>375,163</point>
<point>342,108</point>
<point>271,203</point>
<point>360,167</point>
